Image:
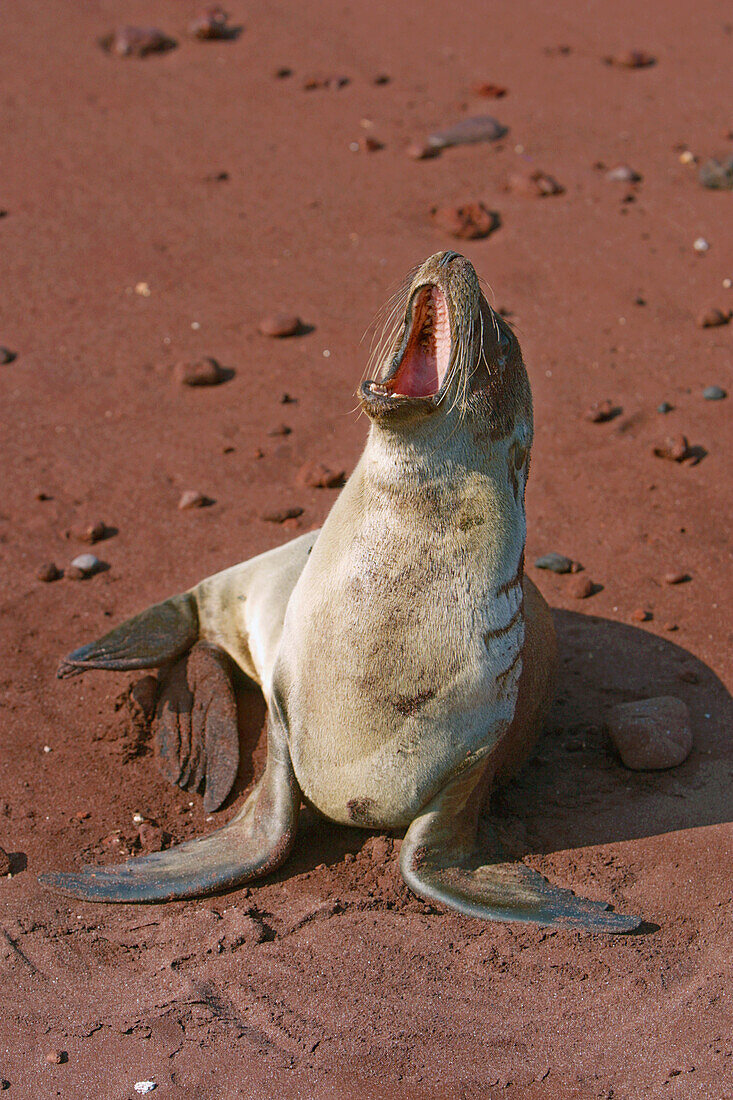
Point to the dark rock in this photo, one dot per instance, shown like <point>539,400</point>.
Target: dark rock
<point>469,131</point>
<point>556,563</point>
<point>651,734</point>
<point>317,83</point>
<point>488,90</point>
<point>601,411</point>
<point>7,356</point>
<point>714,393</point>
<point>48,572</point>
<point>281,429</point>
<point>665,407</point>
<point>469,222</point>
<point>716,174</point>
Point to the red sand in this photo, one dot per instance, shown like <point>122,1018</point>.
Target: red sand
<point>357,989</point>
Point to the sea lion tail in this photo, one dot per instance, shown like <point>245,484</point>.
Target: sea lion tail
<point>160,634</point>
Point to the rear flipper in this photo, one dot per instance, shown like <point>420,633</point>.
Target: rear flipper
<point>162,633</point>
<point>195,728</point>
<point>440,860</point>
<point>254,843</point>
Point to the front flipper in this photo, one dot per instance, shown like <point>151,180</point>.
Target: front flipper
<point>195,730</point>
<point>441,861</point>
<point>254,843</point>
<point>159,634</point>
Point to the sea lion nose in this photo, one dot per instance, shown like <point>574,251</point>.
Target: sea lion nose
<point>446,258</point>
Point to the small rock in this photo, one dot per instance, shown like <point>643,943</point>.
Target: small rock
<point>423,150</point>
<point>6,863</point>
<point>714,393</point>
<point>717,175</point>
<point>217,177</point>
<point>677,576</point>
<point>4,1084</point>
<point>671,626</point>
<point>280,515</point>
<point>283,72</point>
<point>318,476</point>
<point>631,59</point>
<point>651,734</point>
<point>57,1057</point>
<point>240,927</point>
<point>580,587</point>
<point>367,144</point>
<point>192,498</point>
<point>469,222</point>
<point>281,429</point>
<point>468,131</point>
<point>535,184</point>
<point>488,90</point>
<point>48,572</point>
<point>211,24</point>
<point>82,815</point>
<point>152,837</point>
<point>713,318</point>
<point>202,372</point>
<point>381,79</point>
<point>701,245</point>
<point>665,407</point>
<point>316,83</point>
<point>601,411</point>
<point>556,563</point>
<point>623,173</point>
<point>280,324</point>
<point>145,1086</point>
<point>676,448</point>
<point>88,532</point>
<point>639,615</point>
<point>7,356</point>
<point>85,565</point>
<point>137,42</point>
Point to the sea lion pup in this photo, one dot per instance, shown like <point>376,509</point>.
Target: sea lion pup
<point>405,660</point>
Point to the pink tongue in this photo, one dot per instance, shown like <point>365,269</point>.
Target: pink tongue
<point>423,368</point>
<point>418,375</point>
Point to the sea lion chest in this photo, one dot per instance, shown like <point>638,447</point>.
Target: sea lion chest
<point>400,648</point>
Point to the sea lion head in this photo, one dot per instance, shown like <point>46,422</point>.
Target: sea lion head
<point>446,358</point>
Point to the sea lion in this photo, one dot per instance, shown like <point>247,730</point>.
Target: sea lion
<point>405,660</point>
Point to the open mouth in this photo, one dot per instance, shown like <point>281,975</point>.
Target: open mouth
<point>421,365</point>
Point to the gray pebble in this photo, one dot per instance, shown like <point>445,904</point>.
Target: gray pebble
<point>665,407</point>
<point>86,564</point>
<point>714,393</point>
<point>556,563</point>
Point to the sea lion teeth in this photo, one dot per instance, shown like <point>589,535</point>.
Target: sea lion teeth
<point>405,661</point>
